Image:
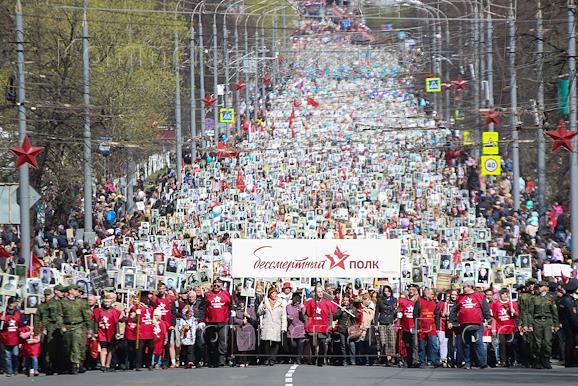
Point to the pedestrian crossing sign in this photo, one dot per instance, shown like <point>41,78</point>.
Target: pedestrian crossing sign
<point>490,142</point>
<point>433,84</point>
<point>491,165</point>
<point>226,115</point>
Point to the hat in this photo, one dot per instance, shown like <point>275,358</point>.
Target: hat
<point>571,286</point>
<point>413,286</point>
<point>542,283</point>
<point>183,291</point>
<point>531,281</point>
<point>73,286</point>
<point>358,300</point>
<point>60,287</point>
<point>47,291</point>
<point>286,285</point>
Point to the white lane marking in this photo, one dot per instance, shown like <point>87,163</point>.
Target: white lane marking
<point>289,375</point>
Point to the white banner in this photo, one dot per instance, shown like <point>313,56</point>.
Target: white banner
<point>316,258</point>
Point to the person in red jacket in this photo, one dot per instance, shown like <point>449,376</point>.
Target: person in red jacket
<point>163,302</point>
<point>160,337</point>
<point>318,312</point>
<point>406,306</point>
<point>10,322</point>
<point>472,312</point>
<point>425,312</point>
<point>505,313</point>
<point>30,347</point>
<point>217,313</point>
<point>106,319</point>
<point>139,332</point>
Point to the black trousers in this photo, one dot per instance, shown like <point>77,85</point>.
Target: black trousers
<point>270,350</point>
<point>216,340</point>
<point>318,347</point>
<point>506,348</point>
<point>187,354</point>
<point>137,355</point>
<point>296,348</point>
<point>408,341</point>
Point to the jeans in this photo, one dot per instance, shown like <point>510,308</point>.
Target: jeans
<point>32,363</point>
<point>11,359</point>
<point>296,348</point>
<point>347,349</point>
<point>429,350</point>
<point>474,332</point>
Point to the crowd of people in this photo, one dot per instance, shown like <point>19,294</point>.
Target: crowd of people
<point>346,148</point>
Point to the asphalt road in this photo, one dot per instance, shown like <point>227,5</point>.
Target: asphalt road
<point>309,376</point>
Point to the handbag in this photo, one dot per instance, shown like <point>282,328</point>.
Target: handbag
<point>354,332</point>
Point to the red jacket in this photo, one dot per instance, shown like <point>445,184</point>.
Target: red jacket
<point>9,333</point>
<point>106,321</point>
<point>406,307</point>
<point>319,314</point>
<point>30,342</point>
<point>472,309</point>
<point>159,337</point>
<point>218,307</point>
<point>504,315</point>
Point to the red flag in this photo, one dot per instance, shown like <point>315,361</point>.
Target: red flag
<point>329,211</point>
<point>339,230</point>
<point>296,103</point>
<point>4,253</point>
<point>240,182</point>
<point>245,125</point>
<point>175,251</point>
<point>130,248</point>
<point>35,265</point>
<point>312,102</point>
<point>457,257</point>
<point>239,86</point>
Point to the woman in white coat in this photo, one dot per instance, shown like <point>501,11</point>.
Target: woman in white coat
<point>273,324</point>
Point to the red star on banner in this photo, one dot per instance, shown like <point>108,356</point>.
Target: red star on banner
<point>562,137</point>
<point>460,84</point>
<point>340,261</point>
<point>26,153</point>
<point>209,100</point>
<point>266,79</point>
<point>240,86</point>
<point>492,117</point>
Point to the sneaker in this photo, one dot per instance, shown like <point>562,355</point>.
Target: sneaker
<point>31,373</point>
<point>8,375</point>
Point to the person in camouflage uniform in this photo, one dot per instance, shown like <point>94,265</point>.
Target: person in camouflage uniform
<point>526,346</point>
<point>47,319</point>
<point>75,322</point>
<point>544,314</point>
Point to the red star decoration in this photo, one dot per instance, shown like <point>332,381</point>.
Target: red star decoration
<point>492,117</point>
<point>562,137</point>
<point>240,85</point>
<point>26,153</point>
<point>209,100</point>
<point>460,84</point>
<point>296,103</point>
<point>266,79</point>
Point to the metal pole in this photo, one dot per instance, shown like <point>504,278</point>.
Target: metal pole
<point>178,128</point>
<point>284,22</point>
<point>237,92</point>
<point>274,48</point>
<point>476,76</point>
<point>227,71</point>
<point>447,76</point>
<point>263,55</point>
<point>215,84</point>
<point>490,59</point>
<point>130,183</point>
<point>572,96</point>
<point>514,107</point>
<point>86,133</point>
<point>193,101</point>
<point>24,183</point>
<point>540,115</point>
<point>202,77</point>
<point>247,79</point>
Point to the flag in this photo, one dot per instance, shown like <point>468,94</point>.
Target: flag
<point>296,103</point>
<point>245,125</point>
<point>457,257</point>
<point>329,211</point>
<point>130,248</point>
<point>35,265</point>
<point>339,231</point>
<point>175,251</point>
<point>312,102</point>
<point>239,86</point>
<point>4,254</point>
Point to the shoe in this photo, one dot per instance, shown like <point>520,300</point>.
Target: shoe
<point>8,375</point>
<point>138,369</point>
<point>538,366</point>
<point>468,367</point>
<point>150,368</point>
<point>36,373</point>
<point>547,365</point>
<point>81,369</point>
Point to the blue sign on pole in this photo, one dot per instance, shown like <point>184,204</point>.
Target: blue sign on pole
<point>209,123</point>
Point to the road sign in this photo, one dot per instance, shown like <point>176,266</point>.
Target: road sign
<point>209,123</point>
<point>467,138</point>
<point>491,165</point>
<point>9,208</point>
<point>490,142</point>
<point>34,196</point>
<point>226,115</point>
<point>433,84</point>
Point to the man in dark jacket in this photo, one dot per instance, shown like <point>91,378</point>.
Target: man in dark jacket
<point>568,314</point>
<point>345,317</point>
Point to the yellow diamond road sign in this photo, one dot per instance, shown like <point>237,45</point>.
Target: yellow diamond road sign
<point>226,115</point>
<point>491,165</point>
<point>433,84</point>
<point>490,142</point>
<point>467,137</point>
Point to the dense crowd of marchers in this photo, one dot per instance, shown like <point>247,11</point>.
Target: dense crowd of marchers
<point>150,293</point>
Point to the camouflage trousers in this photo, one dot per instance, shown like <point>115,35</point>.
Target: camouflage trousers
<point>75,344</point>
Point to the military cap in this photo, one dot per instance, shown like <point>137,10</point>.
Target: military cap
<point>60,287</point>
<point>542,283</point>
<point>47,291</point>
<point>531,281</point>
<point>73,286</point>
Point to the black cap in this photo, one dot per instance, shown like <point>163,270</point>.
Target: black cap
<point>571,286</point>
